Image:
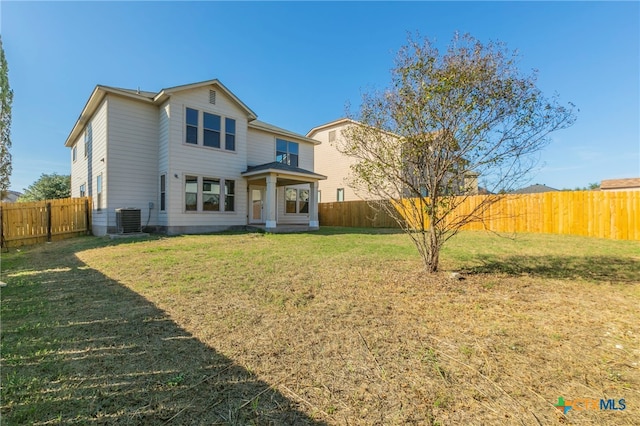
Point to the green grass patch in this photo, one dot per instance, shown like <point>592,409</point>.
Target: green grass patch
<point>332,327</point>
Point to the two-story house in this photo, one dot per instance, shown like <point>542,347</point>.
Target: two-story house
<point>336,166</point>
<point>193,159</point>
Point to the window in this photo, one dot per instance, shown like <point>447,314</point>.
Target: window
<point>332,136</point>
<point>208,190</point>
<point>163,192</point>
<point>99,190</point>
<point>229,195</point>
<point>191,193</point>
<point>319,196</point>
<point>74,153</point>
<point>88,134</point>
<point>230,137</point>
<point>290,196</point>
<point>340,195</point>
<point>192,126</point>
<point>296,200</point>
<point>211,194</point>
<point>211,130</point>
<point>83,190</point>
<point>303,201</point>
<point>287,152</point>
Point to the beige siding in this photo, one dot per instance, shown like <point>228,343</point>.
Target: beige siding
<point>305,161</point>
<point>164,115</point>
<point>289,218</point>
<point>202,161</point>
<point>88,165</point>
<point>88,162</point>
<point>336,166</point>
<point>261,147</point>
<point>78,167</point>
<point>132,158</point>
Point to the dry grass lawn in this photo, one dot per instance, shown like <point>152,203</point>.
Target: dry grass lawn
<point>336,327</point>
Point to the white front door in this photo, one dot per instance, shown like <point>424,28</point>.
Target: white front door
<point>256,205</point>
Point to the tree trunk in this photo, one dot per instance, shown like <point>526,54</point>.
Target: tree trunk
<point>434,250</point>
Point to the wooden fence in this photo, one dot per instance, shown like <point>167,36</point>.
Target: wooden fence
<point>37,222</point>
<point>604,214</point>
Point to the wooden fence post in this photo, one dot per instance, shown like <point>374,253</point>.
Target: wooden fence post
<point>48,222</point>
<point>2,242</point>
<point>86,216</point>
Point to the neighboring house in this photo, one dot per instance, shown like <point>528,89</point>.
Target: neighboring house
<point>629,184</point>
<point>332,163</point>
<point>11,196</point>
<point>192,158</point>
<point>337,166</point>
<point>534,189</point>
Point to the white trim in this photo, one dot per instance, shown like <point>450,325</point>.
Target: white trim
<point>297,201</point>
<point>310,177</point>
<point>263,190</point>
<point>200,195</point>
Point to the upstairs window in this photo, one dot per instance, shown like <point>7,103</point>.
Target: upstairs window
<point>211,130</point>
<point>74,153</point>
<point>208,131</point>
<point>332,136</point>
<point>88,135</point>
<point>230,134</point>
<point>287,152</point>
<point>192,126</point>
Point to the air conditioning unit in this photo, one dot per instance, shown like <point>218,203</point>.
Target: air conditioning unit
<point>128,220</point>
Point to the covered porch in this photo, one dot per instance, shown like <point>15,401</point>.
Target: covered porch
<point>282,198</point>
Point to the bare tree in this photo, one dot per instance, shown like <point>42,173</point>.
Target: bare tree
<point>444,120</point>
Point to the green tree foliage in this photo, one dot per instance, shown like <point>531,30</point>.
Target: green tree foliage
<point>6,99</point>
<point>48,187</point>
<point>446,119</point>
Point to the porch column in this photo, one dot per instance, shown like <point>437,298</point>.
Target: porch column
<point>313,206</point>
<point>270,203</point>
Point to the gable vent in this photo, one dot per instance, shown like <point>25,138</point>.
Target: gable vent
<point>212,97</point>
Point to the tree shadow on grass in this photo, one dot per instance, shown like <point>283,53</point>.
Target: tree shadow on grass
<point>592,268</point>
<point>78,347</point>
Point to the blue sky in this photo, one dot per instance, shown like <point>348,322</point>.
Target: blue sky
<point>297,64</point>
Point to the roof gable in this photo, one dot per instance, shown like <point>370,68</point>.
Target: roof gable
<point>164,94</point>
<point>334,123</point>
<point>270,128</point>
<point>100,91</point>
